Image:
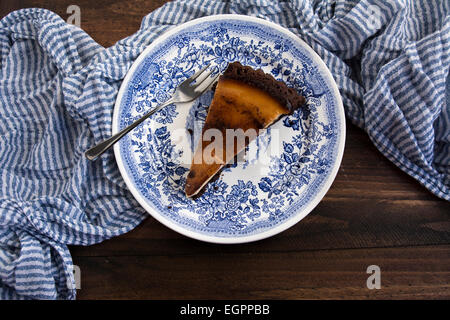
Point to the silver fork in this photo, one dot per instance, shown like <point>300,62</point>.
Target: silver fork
<point>184,93</point>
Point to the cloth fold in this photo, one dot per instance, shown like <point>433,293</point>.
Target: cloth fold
<point>390,61</point>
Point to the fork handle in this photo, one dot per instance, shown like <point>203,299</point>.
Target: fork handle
<point>96,151</point>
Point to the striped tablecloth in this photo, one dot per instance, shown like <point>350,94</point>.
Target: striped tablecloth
<point>390,60</point>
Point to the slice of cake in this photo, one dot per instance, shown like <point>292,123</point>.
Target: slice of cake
<point>244,99</point>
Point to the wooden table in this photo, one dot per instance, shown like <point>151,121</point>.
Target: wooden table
<point>374,214</point>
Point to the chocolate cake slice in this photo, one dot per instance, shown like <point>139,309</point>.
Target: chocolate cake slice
<point>244,99</point>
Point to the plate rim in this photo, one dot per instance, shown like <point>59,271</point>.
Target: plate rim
<point>298,216</point>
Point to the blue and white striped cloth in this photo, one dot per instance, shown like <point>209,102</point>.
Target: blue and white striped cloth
<point>390,60</point>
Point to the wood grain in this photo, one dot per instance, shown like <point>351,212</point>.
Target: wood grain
<point>373,214</point>
<point>414,273</point>
<point>106,21</point>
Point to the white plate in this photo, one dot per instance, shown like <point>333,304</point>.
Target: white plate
<point>251,200</point>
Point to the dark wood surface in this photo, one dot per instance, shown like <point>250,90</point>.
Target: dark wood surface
<point>374,214</point>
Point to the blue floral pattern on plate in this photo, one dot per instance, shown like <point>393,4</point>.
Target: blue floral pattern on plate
<point>250,200</point>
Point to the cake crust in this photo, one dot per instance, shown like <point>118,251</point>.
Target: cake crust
<point>287,97</point>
